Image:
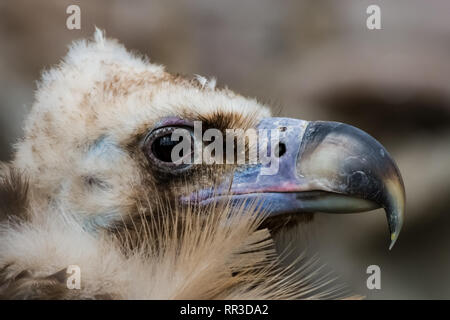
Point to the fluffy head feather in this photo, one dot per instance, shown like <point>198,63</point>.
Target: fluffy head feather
<point>83,132</point>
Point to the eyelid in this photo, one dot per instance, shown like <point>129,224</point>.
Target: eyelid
<point>173,122</point>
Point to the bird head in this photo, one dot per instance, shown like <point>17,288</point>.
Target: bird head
<point>98,142</point>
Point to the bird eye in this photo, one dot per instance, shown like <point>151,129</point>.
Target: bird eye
<point>159,149</point>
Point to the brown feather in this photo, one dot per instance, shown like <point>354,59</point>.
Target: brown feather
<point>13,193</point>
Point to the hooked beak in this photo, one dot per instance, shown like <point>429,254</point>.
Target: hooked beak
<point>322,167</point>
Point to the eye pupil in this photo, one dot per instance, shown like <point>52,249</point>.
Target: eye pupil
<point>162,148</point>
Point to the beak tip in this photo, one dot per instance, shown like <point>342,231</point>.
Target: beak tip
<point>396,229</point>
<point>396,208</point>
<point>394,237</point>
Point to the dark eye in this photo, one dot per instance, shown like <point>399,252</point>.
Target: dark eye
<point>159,148</point>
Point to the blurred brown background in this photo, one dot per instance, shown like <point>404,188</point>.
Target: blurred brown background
<point>310,59</point>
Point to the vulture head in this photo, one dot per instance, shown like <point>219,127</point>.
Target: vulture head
<point>94,183</point>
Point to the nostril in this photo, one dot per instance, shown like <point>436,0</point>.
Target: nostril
<point>280,149</point>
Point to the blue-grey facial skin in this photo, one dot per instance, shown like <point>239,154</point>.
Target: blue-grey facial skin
<point>324,167</point>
